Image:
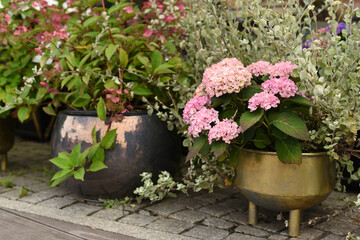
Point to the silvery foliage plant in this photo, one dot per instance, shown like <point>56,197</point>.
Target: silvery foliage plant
<point>328,70</point>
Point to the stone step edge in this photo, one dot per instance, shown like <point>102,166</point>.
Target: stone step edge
<point>91,221</point>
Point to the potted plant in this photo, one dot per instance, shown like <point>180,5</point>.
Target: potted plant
<point>22,29</point>
<point>328,120</point>
<point>109,72</point>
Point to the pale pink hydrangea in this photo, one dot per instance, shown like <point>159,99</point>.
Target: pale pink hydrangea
<point>200,91</point>
<point>260,68</point>
<point>263,100</point>
<point>227,76</point>
<point>194,105</point>
<point>202,120</point>
<point>282,69</point>
<point>225,130</point>
<point>284,86</point>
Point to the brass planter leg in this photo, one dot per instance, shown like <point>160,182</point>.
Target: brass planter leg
<point>252,214</point>
<point>294,223</point>
<point>3,161</point>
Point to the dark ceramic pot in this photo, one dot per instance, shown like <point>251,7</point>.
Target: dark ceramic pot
<point>142,144</point>
<point>7,139</point>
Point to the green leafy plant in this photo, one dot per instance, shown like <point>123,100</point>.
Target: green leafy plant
<point>6,182</point>
<point>77,163</point>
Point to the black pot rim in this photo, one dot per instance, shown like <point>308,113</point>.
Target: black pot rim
<point>92,113</point>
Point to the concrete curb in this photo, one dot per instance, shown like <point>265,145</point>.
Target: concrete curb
<point>90,221</point>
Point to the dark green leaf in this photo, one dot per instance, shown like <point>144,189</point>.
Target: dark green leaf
<point>248,92</point>
<point>156,59</point>
<point>101,109</point>
<point>248,119</point>
<point>291,124</point>
<point>83,61</point>
<point>301,100</point>
<point>91,21</point>
<point>79,174</point>
<point>124,58</point>
<point>66,80</point>
<point>234,155</point>
<point>96,166</point>
<point>164,68</point>
<point>142,91</point>
<point>49,110</point>
<point>110,50</point>
<point>261,139</point>
<point>198,144</point>
<point>249,134</point>
<point>288,150</point>
<point>108,140</point>
<point>218,148</point>
<point>82,101</point>
<point>93,135</point>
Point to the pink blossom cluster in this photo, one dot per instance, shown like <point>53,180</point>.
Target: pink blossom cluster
<point>263,100</point>
<point>202,120</point>
<point>281,69</point>
<point>200,91</point>
<point>225,130</point>
<point>112,94</point>
<point>50,90</point>
<point>194,105</point>
<point>19,30</point>
<point>158,12</point>
<point>284,86</point>
<point>227,76</point>
<point>260,68</point>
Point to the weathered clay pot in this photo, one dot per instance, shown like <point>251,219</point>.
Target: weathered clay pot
<point>142,144</point>
<point>7,139</point>
<point>267,182</point>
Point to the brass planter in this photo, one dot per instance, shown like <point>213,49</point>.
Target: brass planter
<point>271,184</point>
<point>7,138</point>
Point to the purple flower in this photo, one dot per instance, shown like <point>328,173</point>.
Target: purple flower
<point>341,26</point>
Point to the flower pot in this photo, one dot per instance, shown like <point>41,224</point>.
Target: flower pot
<point>267,182</point>
<point>7,138</point>
<point>142,144</point>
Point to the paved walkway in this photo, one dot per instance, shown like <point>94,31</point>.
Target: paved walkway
<point>220,215</point>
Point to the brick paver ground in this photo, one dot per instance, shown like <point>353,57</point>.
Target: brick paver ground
<point>220,215</point>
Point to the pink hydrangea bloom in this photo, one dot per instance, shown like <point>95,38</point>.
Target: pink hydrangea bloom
<point>202,120</point>
<point>200,91</point>
<point>284,86</point>
<point>282,69</point>
<point>225,130</point>
<point>227,76</point>
<point>194,105</point>
<point>259,68</point>
<point>263,100</point>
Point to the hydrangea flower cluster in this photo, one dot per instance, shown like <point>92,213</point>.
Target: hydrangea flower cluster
<point>225,130</point>
<point>194,105</point>
<point>263,100</point>
<point>227,76</point>
<point>279,83</point>
<point>284,86</point>
<point>259,68</point>
<point>282,69</point>
<point>202,120</point>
